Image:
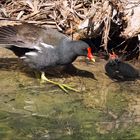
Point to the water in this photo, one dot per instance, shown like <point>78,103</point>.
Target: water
<point>31,111</point>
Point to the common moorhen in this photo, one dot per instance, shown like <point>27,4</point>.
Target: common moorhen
<point>42,47</point>
<point>119,70</point>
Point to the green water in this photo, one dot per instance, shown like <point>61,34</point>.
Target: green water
<point>30,115</point>
<point>103,110</point>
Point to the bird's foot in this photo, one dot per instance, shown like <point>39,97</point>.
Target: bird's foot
<point>64,87</point>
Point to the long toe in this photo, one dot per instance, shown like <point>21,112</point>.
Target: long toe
<point>64,87</point>
<point>70,88</point>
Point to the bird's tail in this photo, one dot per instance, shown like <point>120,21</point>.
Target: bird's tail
<point>8,35</point>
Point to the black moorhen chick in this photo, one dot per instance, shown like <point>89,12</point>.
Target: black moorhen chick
<point>42,47</point>
<point>119,70</point>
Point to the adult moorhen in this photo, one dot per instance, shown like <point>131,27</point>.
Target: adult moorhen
<point>42,47</point>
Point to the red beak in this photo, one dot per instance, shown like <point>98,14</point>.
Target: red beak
<point>89,55</point>
<point>113,55</point>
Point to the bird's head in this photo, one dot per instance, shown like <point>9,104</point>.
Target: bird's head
<point>113,56</point>
<point>83,49</point>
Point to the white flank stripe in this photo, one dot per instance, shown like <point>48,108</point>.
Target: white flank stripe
<point>139,37</point>
<point>37,48</point>
<point>31,53</point>
<point>23,57</point>
<point>47,45</point>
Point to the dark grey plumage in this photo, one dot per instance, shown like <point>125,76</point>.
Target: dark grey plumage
<point>119,70</point>
<point>41,47</point>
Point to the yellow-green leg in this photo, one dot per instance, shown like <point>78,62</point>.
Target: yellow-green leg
<point>64,87</point>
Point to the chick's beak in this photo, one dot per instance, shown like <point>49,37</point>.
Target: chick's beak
<point>113,55</point>
<point>89,55</point>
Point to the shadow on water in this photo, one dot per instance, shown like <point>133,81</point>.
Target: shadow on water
<point>8,64</point>
<point>104,110</point>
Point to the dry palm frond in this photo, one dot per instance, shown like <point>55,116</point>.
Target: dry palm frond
<point>79,18</point>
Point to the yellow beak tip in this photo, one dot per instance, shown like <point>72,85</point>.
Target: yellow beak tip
<point>93,60</point>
